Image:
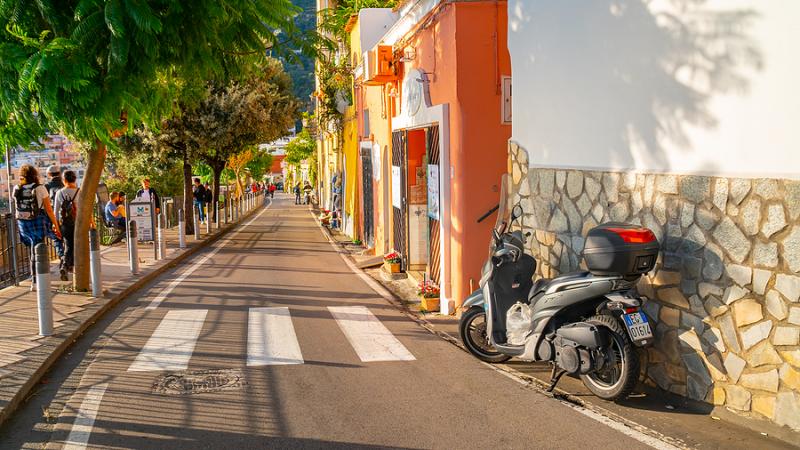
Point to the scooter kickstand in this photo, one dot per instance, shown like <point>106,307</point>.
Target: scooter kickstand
<point>554,377</point>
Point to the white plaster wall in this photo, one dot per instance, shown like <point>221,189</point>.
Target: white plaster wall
<point>681,86</point>
<point>373,24</point>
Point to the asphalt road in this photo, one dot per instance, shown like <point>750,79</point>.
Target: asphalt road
<point>267,339</point>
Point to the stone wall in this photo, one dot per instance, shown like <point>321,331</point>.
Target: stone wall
<point>725,293</point>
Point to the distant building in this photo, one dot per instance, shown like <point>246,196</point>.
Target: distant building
<point>55,150</point>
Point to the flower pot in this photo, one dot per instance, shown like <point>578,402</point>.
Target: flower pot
<point>392,267</point>
<point>429,303</point>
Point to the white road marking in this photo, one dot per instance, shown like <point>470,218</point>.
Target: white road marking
<point>84,422</point>
<point>368,336</point>
<point>271,339</point>
<point>171,345</point>
<point>167,290</point>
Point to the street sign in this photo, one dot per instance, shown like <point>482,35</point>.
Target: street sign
<point>141,211</point>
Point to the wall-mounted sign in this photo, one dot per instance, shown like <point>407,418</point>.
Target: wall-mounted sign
<point>415,91</point>
<point>397,197</point>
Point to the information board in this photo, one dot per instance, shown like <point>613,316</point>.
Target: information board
<point>141,212</point>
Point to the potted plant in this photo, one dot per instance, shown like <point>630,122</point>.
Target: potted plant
<point>391,262</point>
<point>429,295</point>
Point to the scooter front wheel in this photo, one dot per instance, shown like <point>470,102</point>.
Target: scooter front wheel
<point>616,380</point>
<point>472,329</point>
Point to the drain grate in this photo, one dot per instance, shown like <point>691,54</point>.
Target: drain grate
<point>198,381</point>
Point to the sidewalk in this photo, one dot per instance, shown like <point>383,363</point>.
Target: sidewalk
<point>25,356</point>
<point>677,420</point>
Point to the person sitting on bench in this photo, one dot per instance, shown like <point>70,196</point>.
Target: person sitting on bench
<point>115,212</point>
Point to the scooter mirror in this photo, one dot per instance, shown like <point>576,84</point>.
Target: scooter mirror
<point>516,212</point>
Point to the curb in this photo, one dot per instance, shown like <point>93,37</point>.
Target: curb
<point>22,393</point>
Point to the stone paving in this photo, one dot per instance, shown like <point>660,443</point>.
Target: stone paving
<point>25,356</point>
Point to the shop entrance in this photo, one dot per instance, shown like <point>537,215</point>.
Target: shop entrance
<point>415,194</point>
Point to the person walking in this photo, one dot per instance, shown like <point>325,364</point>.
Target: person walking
<point>53,185</point>
<point>146,193</point>
<point>297,193</point>
<point>34,213</point>
<point>272,189</point>
<point>65,208</point>
<point>307,191</point>
<point>199,195</point>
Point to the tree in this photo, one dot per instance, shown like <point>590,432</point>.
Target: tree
<point>153,154</point>
<point>237,163</point>
<point>300,148</point>
<point>90,68</point>
<point>241,115</point>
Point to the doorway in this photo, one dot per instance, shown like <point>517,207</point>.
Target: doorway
<point>366,187</point>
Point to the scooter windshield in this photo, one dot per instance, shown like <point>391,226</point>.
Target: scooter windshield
<point>503,211</point>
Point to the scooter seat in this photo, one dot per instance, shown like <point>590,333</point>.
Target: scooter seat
<point>542,284</point>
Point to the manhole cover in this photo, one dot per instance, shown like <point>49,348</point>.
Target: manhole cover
<point>198,381</point>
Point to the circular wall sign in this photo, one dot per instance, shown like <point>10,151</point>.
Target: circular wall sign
<point>413,88</point>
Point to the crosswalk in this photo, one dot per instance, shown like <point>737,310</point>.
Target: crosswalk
<point>271,338</point>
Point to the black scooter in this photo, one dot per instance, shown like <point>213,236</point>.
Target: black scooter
<point>584,323</point>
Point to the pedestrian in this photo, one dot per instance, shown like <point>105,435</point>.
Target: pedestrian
<point>34,213</point>
<point>114,213</point>
<point>66,210</point>
<point>147,193</point>
<point>210,205</point>
<point>297,193</point>
<point>272,189</point>
<point>53,185</point>
<point>199,195</point>
<point>307,190</point>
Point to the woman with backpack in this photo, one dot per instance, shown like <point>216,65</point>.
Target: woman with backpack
<point>66,209</point>
<point>34,214</point>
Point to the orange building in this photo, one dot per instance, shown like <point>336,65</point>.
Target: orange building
<point>448,110</point>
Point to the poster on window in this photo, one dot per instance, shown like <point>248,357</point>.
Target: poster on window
<point>433,191</point>
<point>397,198</point>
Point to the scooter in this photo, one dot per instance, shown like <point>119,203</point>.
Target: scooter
<point>585,323</point>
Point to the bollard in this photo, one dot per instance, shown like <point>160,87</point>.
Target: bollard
<point>43,290</point>
<point>159,237</point>
<point>94,263</point>
<point>196,220</point>
<point>208,220</point>
<point>229,208</point>
<point>162,238</point>
<point>181,230</point>
<point>216,214</point>
<point>133,247</point>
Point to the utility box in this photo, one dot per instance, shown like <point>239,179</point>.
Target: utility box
<point>379,68</point>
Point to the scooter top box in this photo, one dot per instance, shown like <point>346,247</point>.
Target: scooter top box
<point>620,249</point>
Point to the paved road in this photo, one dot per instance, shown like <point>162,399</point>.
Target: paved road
<point>296,351</point>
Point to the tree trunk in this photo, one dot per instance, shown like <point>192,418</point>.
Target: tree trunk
<point>85,209</point>
<point>188,203</point>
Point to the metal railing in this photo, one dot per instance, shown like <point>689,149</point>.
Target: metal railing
<point>7,242</point>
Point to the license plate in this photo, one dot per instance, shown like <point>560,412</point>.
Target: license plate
<point>638,326</point>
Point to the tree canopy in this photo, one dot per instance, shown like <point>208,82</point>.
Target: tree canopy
<point>87,68</point>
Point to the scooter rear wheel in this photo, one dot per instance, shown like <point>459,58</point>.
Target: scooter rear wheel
<point>617,380</point>
<point>472,329</point>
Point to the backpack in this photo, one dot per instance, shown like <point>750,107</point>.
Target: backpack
<point>25,202</point>
<point>68,209</point>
